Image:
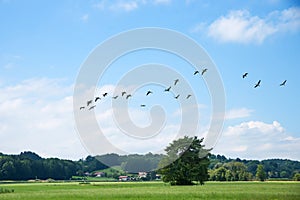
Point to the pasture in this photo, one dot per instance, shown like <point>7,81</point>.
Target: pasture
<point>152,190</point>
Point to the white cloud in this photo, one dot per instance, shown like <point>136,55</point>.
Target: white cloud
<point>240,148</point>
<point>124,6</point>
<point>128,6</point>
<point>187,108</point>
<point>34,89</point>
<point>241,27</point>
<point>288,20</point>
<point>258,140</point>
<point>238,113</point>
<point>118,5</point>
<point>291,138</point>
<point>200,27</point>
<point>37,115</point>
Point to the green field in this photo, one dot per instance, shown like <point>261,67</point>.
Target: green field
<point>153,190</point>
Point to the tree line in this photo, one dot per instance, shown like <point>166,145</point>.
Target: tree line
<point>226,169</point>
<point>29,165</point>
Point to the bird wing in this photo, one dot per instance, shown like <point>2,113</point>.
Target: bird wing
<point>257,84</point>
<point>89,102</point>
<point>283,82</point>
<point>203,71</point>
<point>168,89</point>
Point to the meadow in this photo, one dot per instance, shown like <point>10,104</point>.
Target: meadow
<point>152,190</point>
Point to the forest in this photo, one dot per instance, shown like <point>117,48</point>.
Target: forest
<point>28,165</point>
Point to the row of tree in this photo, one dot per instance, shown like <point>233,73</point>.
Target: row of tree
<point>236,171</point>
<point>29,165</point>
<point>274,168</point>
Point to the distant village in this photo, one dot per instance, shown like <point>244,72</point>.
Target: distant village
<point>140,176</point>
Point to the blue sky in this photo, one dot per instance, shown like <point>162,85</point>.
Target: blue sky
<point>44,43</point>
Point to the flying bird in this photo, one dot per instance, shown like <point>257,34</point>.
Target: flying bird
<point>283,83</point>
<point>123,93</point>
<point>257,84</point>
<point>149,92</point>
<point>203,71</point>
<point>143,105</point>
<point>196,72</point>
<point>82,107</point>
<point>188,96</point>
<point>92,107</point>
<point>97,98</point>
<point>129,95</point>
<point>89,102</point>
<point>105,94</point>
<point>168,89</point>
<point>176,81</point>
<point>177,96</point>
<point>115,97</point>
<point>245,75</point>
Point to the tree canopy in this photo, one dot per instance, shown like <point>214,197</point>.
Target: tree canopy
<point>260,173</point>
<point>186,161</point>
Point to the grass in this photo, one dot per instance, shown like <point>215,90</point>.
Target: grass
<point>153,190</point>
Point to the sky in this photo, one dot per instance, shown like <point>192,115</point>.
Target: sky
<point>44,44</point>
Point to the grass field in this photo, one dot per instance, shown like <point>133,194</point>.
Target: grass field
<point>153,190</point>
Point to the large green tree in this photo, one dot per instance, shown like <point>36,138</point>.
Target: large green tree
<point>186,162</point>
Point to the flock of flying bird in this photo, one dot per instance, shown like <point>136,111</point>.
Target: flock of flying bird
<point>259,81</point>
<point>90,103</point>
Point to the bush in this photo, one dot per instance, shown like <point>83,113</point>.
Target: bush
<point>296,177</point>
<point>4,190</point>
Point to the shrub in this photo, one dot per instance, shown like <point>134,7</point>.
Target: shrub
<point>297,177</point>
<point>4,190</point>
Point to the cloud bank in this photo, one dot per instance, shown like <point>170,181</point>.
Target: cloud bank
<point>36,115</point>
<point>258,140</point>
